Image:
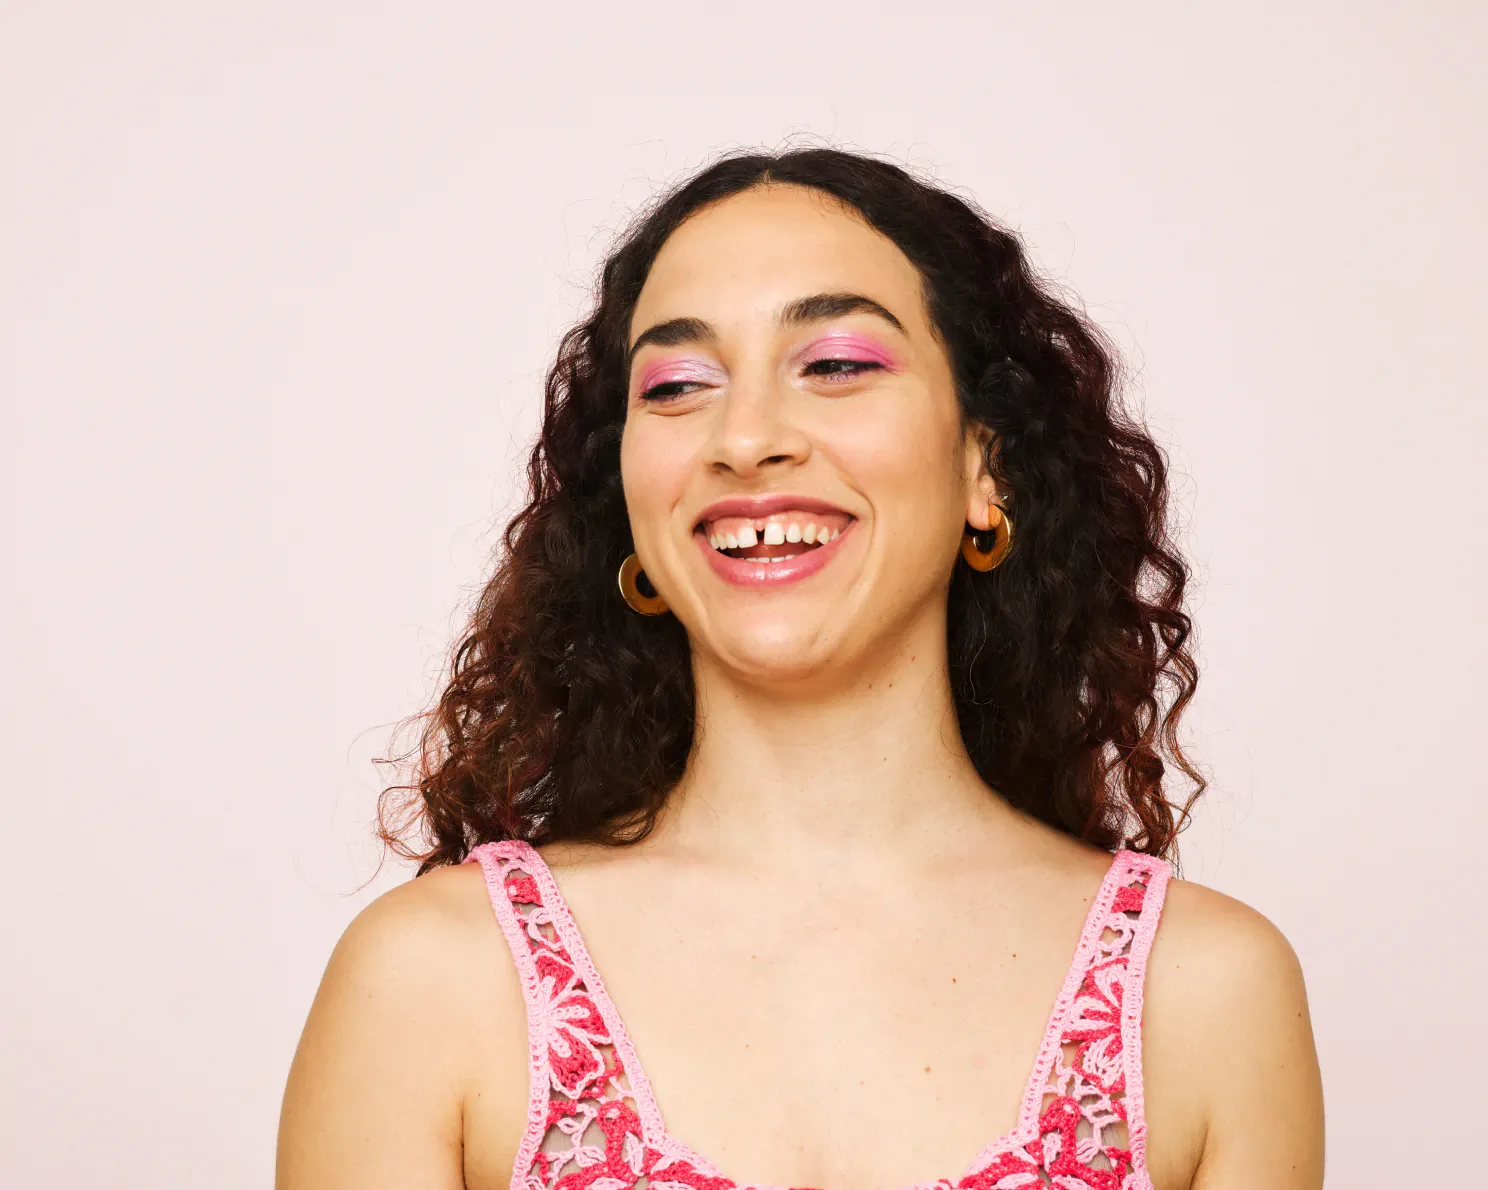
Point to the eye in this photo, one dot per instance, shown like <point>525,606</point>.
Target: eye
<point>842,369</point>
<point>669,390</point>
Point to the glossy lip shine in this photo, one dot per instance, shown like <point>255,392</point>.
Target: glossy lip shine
<point>771,574</point>
<point>762,575</point>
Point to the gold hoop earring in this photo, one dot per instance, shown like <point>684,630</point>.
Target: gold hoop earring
<point>980,559</point>
<point>647,605</point>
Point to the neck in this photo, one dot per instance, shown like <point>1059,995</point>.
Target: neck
<point>869,764</point>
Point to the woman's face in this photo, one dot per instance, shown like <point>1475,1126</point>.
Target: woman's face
<point>788,400</point>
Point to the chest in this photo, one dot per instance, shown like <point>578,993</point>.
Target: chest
<point>869,1044</point>
<point>870,1047</point>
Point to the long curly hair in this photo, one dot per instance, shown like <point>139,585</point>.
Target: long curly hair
<point>566,716</point>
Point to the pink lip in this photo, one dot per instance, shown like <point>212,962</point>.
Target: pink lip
<point>764,505</point>
<point>758,575</point>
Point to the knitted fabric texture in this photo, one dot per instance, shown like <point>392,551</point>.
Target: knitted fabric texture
<point>593,1123</point>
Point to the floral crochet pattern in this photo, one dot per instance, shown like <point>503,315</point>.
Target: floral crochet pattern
<point>593,1123</point>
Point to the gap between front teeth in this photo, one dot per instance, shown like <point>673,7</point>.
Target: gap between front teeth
<point>775,534</point>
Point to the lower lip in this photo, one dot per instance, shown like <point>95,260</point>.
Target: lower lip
<point>771,574</point>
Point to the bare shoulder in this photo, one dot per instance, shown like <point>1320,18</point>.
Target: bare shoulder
<point>415,1009</point>
<point>1232,1077</point>
<point>431,917</point>
<point>425,949</point>
<point>1213,944</point>
<point>1222,979</point>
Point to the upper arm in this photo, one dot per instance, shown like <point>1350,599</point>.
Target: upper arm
<point>1234,1067</point>
<point>413,1002</point>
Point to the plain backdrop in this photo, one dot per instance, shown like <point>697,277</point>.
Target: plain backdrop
<point>280,282</point>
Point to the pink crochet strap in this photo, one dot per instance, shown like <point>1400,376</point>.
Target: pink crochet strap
<point>499,863</point>
<point>593,1123</point>
<point>1149,907</point>
<point>583,1125</point>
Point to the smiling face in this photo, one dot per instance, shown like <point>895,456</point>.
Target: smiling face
<point>795,466</point>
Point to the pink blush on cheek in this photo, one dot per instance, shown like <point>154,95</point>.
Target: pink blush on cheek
<point>851,346</point>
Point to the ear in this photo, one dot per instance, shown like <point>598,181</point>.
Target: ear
<point>981,487</point>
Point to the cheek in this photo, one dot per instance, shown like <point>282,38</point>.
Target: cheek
<point>654,463</point>
<point>903,457</point>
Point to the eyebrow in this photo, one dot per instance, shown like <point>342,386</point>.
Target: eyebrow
<point>815,308</point>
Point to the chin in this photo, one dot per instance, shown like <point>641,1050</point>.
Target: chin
<point>778,652</point>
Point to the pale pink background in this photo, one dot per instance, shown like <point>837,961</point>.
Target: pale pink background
<point>279,284</point>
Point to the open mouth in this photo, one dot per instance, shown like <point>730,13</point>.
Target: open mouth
<point>775,538</point>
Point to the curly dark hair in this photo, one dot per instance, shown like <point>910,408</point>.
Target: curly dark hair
<point>566,716</point>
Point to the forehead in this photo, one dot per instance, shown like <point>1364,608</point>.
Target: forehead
<point>746,256</point>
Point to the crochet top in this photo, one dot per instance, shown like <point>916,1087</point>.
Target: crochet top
<point>593,1123</point>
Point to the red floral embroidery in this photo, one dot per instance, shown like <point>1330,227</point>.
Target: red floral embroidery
<point>1095,1024</point>
<point>606,1167</point>
<point>673,1173</point>
<point>575,1030</point>
<point>522,889</point>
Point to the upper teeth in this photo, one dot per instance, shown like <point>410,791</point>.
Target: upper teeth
<point>775,533</point>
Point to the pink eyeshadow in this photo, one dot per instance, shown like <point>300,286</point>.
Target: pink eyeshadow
<point>673,370</point>
<point>850,346</point>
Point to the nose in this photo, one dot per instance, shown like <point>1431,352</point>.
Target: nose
<point>755,428</point>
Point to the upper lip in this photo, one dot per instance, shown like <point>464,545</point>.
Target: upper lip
<point>765,504</point>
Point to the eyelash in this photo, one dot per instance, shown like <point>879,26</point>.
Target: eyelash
<point>851,368</point>
<point>655,393</point>
<point>855,367</point>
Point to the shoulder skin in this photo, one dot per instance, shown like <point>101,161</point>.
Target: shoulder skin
<point>419,1005</point>
<point>1231,1081</point>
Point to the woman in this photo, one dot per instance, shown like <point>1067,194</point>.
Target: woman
<point>824,684</point>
